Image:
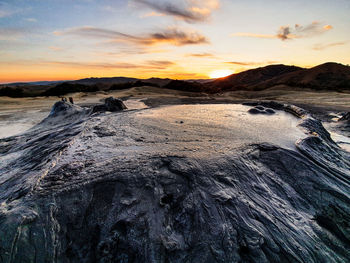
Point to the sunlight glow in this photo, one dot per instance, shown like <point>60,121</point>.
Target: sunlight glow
<point>220,73</point>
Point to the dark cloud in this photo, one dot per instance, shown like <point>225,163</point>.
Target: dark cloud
<point>188,10</point>
<point>176,37</point>
<point>93,32</point>
<point>171,36</point>
<point>284,33</point>
<point>329,45</point>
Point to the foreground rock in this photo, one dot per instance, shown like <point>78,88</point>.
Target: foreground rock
<point>111,104</point>
<point>345,117</point>
<point>124,187</point>
<point>343,124</point>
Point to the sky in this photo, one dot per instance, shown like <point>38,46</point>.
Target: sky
<point>183,39</point>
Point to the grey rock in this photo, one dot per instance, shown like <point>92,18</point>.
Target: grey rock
<point>254,111</point>
<point>345,117</point>
<point>270,111</point>
<point>111,104</point>
<point>64,108</point>
<point>260,108</point>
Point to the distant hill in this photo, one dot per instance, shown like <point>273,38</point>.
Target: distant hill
<point>35,83</point>
<point>185,86</point>
<point>251,77</point>
<point>328,76</point>
<point>120,80</point>
<point>91,81</point>
<point>108,81</point>
<point>59,88</point>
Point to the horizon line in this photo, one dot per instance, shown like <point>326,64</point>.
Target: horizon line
<point>208,78</point>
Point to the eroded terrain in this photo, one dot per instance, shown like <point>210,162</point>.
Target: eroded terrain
<point>185,183</point>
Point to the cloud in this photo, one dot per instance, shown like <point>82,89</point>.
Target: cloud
<point>160,63</point>
<point>7,10</point>
<point>175,37</point>
<point>244,34</point>
<point>91,65</point>
<point>170,36</point>
<point>5,13</point>
<point>319,47</point>
<point>200,55</point>
<point>188,10</point>
<point>130,51</point>
<point>241,63</point>
<point>152,14</point>
<point>32,20</point>
<point>288,32</point>
<point>56,48</point>
<point>92,32</point>
<point>153,64</point>
<point>12,33</point>
<point>298,31</point>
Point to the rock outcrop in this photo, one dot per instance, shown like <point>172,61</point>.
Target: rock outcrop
<point>345,117</point>
<point>111,104</point>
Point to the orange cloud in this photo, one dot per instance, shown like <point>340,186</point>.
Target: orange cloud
<point>200,55</point>
<point>243,63</point>
<point>170,36</point>
<point>244,34</point>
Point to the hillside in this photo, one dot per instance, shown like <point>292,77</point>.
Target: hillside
<point>251,77</point>
<point>108,81</point>
<point>330,76</point>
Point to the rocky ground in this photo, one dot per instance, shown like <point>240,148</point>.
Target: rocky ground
<point>181,183</point>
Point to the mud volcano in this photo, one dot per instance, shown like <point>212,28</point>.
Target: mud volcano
<point>186,183</point>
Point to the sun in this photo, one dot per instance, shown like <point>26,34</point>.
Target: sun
<point>220,73</point>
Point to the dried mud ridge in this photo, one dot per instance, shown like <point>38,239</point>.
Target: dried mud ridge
<point>69,193</point>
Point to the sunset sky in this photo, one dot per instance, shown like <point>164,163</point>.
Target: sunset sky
<point>185,39</point>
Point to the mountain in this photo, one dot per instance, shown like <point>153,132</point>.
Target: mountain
<point>251,77</point>
<point>35,83</point>
<point>330,76</point>
<point>109,81</point>
<point>185,86</point>
<point>120,80</point>
<point>158,81</point>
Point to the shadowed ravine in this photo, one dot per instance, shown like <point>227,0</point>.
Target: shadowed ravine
<point>187,183</point>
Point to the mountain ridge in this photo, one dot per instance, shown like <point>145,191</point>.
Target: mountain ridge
<point>327,76</point>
